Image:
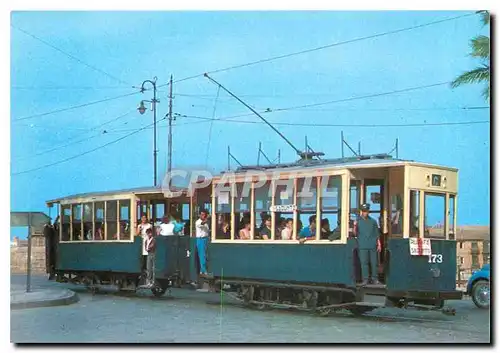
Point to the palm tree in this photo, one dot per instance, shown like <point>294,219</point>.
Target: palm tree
<point>480,49</point>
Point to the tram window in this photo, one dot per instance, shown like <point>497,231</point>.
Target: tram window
<point>307,192</point>
<point>66,218</point>
<point>331,198</point>
<point>208,207</point>
<point>374,199</point>
<point>159,212</point>
<point>414,213</point>
<point>223,214</point>
<point>174,209</point>
<point>263,202</point>
<point>434,215</point>
<point>111,217</point>
<point>76,222</point>
<point>99,221</point>
<point>354,197</point>
<point>142,210</point>
<point>241,206</point>
<point>185,212</point>
<point>125,233</point>
<point>88,231</point>
<point>397,214</point>
<point>283,195</point>
<point>451,217</point>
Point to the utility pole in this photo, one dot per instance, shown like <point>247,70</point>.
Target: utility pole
<point>170,117</point>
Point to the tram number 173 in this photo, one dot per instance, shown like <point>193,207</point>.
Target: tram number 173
<point>435,258</point>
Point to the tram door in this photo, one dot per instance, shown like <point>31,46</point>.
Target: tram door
<point>373,192</point>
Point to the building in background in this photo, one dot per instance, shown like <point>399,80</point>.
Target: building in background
<point>473,250</point>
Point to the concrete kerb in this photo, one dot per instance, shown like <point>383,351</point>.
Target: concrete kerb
<point>42,298</point>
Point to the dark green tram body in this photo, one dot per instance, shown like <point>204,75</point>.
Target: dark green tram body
<point>297,263</point>
<point>419,276</point>
<point>410,279</point>
<point>118,261</point>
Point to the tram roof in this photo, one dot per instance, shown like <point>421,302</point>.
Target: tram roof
<point>370,161</point>
<point>138,191</point>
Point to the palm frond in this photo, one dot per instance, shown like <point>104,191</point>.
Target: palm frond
<point>486,92</point>
<point>485,17</point>
<point>480,47</point>
<point>479,74</point>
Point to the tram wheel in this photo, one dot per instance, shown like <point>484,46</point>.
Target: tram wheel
<point>324,312</point>
<point>158,290</point>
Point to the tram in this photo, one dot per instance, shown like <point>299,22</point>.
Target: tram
<point>413,203</point>
<point>94,240</point>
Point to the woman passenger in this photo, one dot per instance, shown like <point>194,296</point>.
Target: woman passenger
<point>245,232</point>
<point>286,233</point>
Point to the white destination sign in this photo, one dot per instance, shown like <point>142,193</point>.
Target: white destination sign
<point>420,247</point>
<point>283,208</point>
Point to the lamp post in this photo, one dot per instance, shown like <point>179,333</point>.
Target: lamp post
<point>142,110</point>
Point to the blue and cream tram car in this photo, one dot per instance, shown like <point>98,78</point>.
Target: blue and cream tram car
<point>414,205</point>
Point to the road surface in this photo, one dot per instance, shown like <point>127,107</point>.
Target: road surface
<point>186,317</point>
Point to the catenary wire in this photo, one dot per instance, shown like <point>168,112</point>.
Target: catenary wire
<point>76,106</point>
<point>325,47</point>
<point>88,138</point>
<point>70,55</point>
<point>86,152</point>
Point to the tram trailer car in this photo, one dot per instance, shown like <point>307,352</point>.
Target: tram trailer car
<point>94,241</point>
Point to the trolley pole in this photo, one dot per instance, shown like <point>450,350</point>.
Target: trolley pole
<point>169,168</point>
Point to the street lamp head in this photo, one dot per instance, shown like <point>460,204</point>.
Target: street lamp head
<point>142,108</point>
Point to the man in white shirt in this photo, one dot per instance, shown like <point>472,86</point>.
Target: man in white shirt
<point>202,234</point>
<point>141,231</point>
<point>166,227</point>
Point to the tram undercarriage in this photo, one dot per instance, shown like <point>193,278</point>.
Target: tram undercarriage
<point>322,300</point>
<point>94,281</point>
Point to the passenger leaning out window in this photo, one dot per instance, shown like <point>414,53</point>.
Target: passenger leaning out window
<point>308,232</point>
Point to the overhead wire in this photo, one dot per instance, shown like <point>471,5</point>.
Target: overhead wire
<point>76,106</point>
<point>340,125</point>
<point>269,110</point>
<point>56,88</point>
<point>69,55</point>
<point>87,152</point>
<point>325,47</point>
<point>77,141</point>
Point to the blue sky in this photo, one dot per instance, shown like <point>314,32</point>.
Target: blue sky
<point>135,46</point>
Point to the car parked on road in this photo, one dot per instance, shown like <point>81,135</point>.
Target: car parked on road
<point>478,287</point>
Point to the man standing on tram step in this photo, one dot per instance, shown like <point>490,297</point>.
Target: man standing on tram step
<point>202,234</point>
<point>150,247</point>
<point>368,234</point>
<point>141,231</point>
